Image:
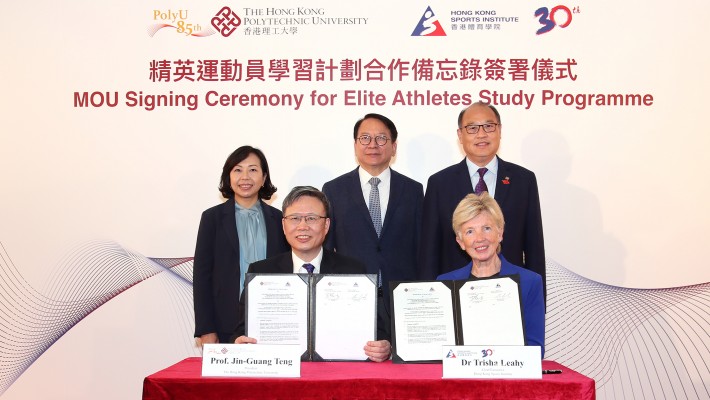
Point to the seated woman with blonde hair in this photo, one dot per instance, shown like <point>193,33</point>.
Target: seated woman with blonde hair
<point>478,223</point>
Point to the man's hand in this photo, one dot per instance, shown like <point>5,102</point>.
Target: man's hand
<point>244,340</point>
<point>207,338</point>
<point>378,351</point>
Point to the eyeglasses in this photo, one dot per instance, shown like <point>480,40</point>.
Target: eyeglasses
<point>473,128</point>
<point>296,219</point>
<point>367,139</point>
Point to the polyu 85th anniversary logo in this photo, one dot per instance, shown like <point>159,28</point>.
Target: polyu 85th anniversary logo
<point>224,22</point>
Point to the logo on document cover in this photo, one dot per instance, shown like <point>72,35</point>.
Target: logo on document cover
<point>487,353</point>
<point>450,354</point>
<point>429,25</point>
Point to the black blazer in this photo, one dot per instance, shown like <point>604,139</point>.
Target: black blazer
<point>332,263</point>
<point>517,195</point>
<point>215,273</point>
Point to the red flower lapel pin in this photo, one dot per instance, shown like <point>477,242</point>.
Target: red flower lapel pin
<point>506,181</point>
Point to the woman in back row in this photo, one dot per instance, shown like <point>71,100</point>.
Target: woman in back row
<point>231,236</point>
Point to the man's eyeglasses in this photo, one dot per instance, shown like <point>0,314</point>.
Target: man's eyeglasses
<point>296,219</point>
<point>367,139</point>
<point>473,128</point>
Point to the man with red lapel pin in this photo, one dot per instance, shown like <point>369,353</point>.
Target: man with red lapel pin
<point>512,186</point>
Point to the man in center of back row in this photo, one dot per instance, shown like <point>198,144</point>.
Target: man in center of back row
<point>376,212</point>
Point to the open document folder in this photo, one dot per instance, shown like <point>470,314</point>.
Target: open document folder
<point>428,315</point>
<point>331,317</point>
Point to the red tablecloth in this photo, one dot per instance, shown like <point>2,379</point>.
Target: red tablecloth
<point>362,380</point>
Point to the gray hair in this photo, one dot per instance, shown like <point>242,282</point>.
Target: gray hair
<point>300,191</point>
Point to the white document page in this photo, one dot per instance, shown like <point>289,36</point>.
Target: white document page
<point>278,310</point>
<point>490,312</point>
<point>346,316</point>
<point>424,320</point>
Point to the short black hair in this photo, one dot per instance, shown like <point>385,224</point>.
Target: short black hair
<point>388,123</point>
<point>235,158</point>
<point>301,191</point>
<point>478,103</point>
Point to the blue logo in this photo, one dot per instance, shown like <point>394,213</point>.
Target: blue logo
<point>429,25</point>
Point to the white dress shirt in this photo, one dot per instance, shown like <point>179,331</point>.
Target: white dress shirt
<point>490,177</point>
<point>383,187</point>
<point>298,263</point>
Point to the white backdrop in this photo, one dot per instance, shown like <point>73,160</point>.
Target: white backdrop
<point>622,188</point>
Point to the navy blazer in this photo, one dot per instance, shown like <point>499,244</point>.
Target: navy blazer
<point>215,272</point>
<point>332,263</point>
<point>517,195</point>
<point>353,234</point>
<point>530,297</point>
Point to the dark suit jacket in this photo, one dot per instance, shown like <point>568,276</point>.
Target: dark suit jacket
<point>332,263</point>
<point>353,234</point>
<point>517,195</point>
<point>215,273</point>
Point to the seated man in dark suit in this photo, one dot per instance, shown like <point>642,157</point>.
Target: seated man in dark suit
<point>305,223</point>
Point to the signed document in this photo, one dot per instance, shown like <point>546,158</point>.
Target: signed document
<point>345,316</point>
<point>331,317</point>
<point>491,313</point>
<point>277,310</point>
<point>428,315</point>
<point>424,321</point>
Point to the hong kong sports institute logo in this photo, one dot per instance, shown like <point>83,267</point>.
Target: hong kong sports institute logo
<point>429,25</point>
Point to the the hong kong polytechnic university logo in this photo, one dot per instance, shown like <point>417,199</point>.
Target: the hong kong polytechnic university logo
<point>226,21</point>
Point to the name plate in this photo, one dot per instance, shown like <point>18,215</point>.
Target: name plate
<point>492,362</point>
<point>251,360</point>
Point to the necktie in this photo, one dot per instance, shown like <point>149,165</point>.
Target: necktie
<point>309,267</point>
<point>375,212</point>
<point>481,185</point>
<point>376,215</point>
